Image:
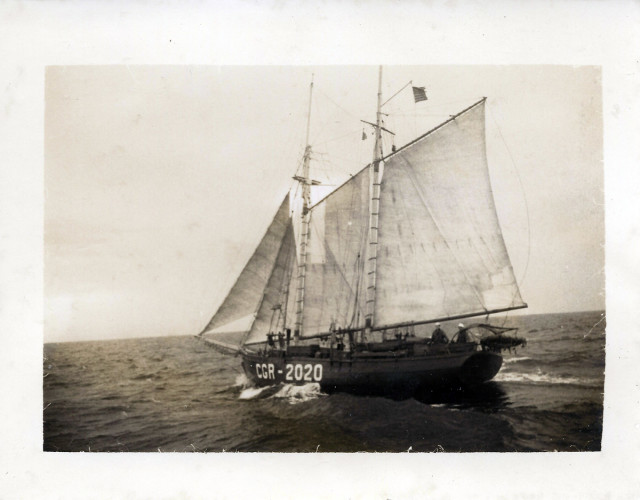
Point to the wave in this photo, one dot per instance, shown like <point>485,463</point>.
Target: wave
<point>545,378</point>
<point>146,376</point>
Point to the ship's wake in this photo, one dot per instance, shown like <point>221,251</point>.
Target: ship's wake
<point>294,394</point>
<point>540,377</point>
<point>290,393</point>
<point>515,359</point>
<point>256,392</point>
<point>242,381</point>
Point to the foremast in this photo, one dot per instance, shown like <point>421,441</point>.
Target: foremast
<point>305,181</point>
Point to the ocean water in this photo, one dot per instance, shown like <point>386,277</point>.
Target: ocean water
<point>177,394</point>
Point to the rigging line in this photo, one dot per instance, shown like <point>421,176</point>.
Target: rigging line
<point>335,103</point>
<point>524,195</point>
<point>343,159</point>
<point>406,85</point>
<point>336,138</point>
<point>355,298</point>
<point>415,118</point>
<point>420,114</point>
<point>359,267</point>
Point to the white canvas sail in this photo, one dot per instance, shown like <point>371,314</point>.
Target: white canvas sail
<point>337,242</point>
<point>440,248</point>
<point>273,305</point>
<point>247,293</point>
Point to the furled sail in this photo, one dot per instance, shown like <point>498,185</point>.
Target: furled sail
<point>247,293</point>
<point>335,260</point>
<point>440,248</point>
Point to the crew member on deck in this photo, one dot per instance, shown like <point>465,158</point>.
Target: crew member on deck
<point>438,336</point>
<point>281,340</point>
<point>332,329</point>
<point>270,339</point>
<point>463,336</point>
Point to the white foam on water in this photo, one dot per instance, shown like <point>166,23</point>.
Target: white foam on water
<point>241,381</point>
<point>299,393</point>
<point>515,359</point>
<point>544,378</point>
<point>252,392</point>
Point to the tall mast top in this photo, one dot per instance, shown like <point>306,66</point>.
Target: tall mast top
<point>376,146</point>
<point>309,111</point>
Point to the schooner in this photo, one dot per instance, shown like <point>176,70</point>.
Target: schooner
<point>411,239</point>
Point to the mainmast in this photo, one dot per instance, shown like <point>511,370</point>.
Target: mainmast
<point>374,207</point>
<point>304,230</point>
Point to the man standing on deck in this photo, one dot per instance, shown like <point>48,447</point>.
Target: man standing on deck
<point>463,336</point>
<point>438,336</point>
<point>281,340</point>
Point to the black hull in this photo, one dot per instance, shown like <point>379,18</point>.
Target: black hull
<point>388,373</point>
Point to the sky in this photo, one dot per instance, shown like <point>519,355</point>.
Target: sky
<point>161,180</point>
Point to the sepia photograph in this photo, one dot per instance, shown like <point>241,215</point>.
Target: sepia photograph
<point>323,259</point>
<point>334,250</point>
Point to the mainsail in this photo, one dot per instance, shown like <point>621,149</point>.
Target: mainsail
<point>247,294</point>
<point>440,249</point>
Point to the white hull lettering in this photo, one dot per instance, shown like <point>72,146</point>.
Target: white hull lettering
<point>306,373</point>
<point>265,371</point>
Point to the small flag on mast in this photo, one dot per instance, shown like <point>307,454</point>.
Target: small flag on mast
<point>419,94</point>
<point>364,135</point>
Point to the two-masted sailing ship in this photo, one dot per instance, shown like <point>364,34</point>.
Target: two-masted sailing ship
<point>411,239</point>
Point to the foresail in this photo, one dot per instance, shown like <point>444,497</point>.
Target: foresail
<point>335,261</point>
<point>440,248</point>
<point>246,294</point>
<point>273,306</point>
